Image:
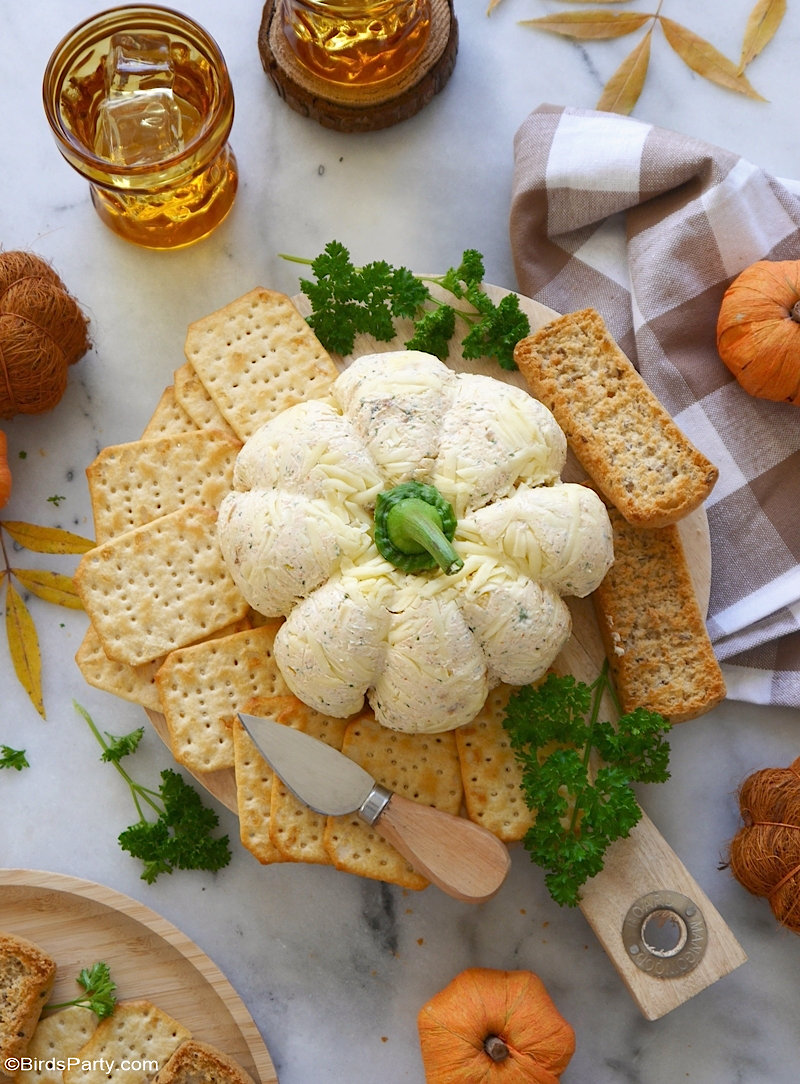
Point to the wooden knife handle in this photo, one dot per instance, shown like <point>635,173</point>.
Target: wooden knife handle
<point>463,859</point>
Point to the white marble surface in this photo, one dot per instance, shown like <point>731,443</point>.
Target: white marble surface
<point>334,969</point>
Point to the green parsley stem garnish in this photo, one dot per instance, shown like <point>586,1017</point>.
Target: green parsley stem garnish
<point>181,836</point>
<point>99,991</point>
<point>577,773</point>
<point>13,758</point>
<point>347,301</point>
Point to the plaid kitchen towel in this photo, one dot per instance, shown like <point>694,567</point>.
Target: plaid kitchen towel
<point>649,227</point>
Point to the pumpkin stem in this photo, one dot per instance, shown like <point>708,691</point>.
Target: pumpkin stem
<point>794,312</point>
<point>495,1048</point>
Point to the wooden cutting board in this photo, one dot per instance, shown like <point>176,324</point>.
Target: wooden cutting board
<point>643,865</point>
<point>80,922</point>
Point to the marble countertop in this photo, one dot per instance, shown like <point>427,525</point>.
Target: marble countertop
<point>333,968</point>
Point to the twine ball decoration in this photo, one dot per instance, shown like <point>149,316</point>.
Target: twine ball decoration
<point>765,853</point>
<point>42,332</point>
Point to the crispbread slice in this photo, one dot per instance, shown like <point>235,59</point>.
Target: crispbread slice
<point>297,831</point>
<point>658,648</point>
<point>196,402</point>
<point>621,434</point>
<point>422,767</point>
<point>201,688</point>
<point>256,357</point>
<point>201,1063</point>
<point>57,1037</point>
<point>490,772</point>
<point>158,587</point>
<point>137,1036</point>
<point>134,483</point>
<point>168,417</point>
<point>27,974</point>
<point>254,782</point>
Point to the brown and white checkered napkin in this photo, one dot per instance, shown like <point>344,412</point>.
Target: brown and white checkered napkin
<point>649,227</point>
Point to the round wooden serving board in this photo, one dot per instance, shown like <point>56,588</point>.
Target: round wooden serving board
<point>79,922</point>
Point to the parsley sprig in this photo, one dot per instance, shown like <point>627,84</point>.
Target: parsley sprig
<point>99,991</point>
<point>557,736</point>
<point>181,836</point>
<point>347,301</point>
<point>13,758</point>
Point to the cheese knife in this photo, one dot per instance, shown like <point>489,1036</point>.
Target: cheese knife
<point>463,859</point>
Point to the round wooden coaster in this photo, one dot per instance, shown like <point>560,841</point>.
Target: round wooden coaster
<point>366,108</point>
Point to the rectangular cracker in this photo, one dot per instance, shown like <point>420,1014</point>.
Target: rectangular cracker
<point>254,782</point>
<point>57,1037</point>
<point>134,483</point>
<point>158,587</point>
<point>138,1032</point>
<point>422,767</point>
<point>654,634</point>
<point>619,431</point>
<point>168,417</point>
<point>196,402</point>
<point>490,772</point>
<point>256,357</point>
<point>297,831</point>
<point>201,687</point>
<point>134,683</point>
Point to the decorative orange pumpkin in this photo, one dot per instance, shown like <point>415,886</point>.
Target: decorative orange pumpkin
<point>5,471</point>
<point>758,330</point>
<point>494,1025</point>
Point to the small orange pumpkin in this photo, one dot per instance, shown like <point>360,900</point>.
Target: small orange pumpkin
<point>5,471</point>
<point>758,330</point>
<point>494,1025</point>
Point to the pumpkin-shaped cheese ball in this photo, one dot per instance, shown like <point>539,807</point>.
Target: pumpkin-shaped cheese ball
<point>414,531</point>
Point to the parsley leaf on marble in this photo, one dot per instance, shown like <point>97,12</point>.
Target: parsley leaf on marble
<point>13,758</point>
<point>347,301</point>
<point>181,835</point>
<point>556,735</point>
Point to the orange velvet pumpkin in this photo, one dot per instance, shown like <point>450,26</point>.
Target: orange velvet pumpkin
<point>491,1025</point>
<point>758,330</point>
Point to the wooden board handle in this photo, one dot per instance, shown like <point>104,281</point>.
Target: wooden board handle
<point>455,854</point>
<point>635,868</point>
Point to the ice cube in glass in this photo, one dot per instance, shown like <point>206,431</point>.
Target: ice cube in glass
<point>139,129</point>
<point>138,62</point>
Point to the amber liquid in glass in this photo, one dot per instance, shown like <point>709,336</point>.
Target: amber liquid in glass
<point>188,199</point>
<point>356,42</point>
<point>140,103</point>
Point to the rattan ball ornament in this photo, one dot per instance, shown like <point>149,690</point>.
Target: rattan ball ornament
<point>765,853</point>
<point>42,332</point>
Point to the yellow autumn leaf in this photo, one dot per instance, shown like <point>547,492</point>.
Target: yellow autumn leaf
<point>621,92</point>
<point>764,20</point>
<point>23,646</point>
<point>587,25</point>
<point>46,539</point>
<point>705,59</point>
<point>50,586</point>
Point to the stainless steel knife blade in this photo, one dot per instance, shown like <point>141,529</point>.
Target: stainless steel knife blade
<point>461,857</point>
<point>319,775</point>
